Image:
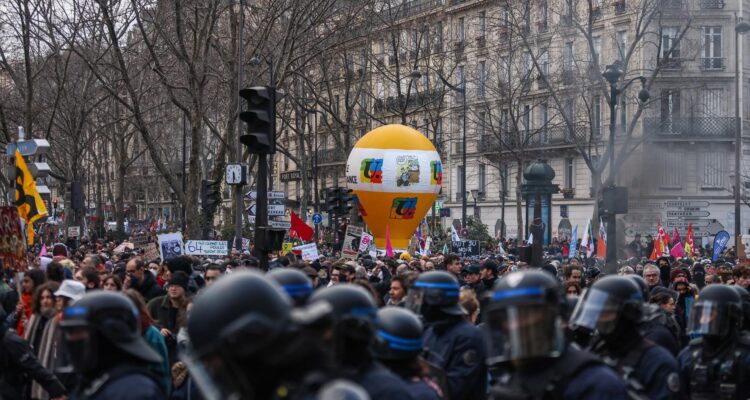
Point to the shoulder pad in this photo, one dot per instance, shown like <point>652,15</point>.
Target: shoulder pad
<point>696,342</point>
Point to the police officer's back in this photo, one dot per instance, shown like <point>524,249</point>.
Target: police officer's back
<point>453,343</point>
<point>102,334</point>
<point>524,317</point>
<point>354,311</point>
<point>717,363</point>
<point>613,308</point>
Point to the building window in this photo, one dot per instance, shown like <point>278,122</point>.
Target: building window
<point>482,178</point>
<point>714,170</point>
<point>543,120</point>
<point>544,61</point>
<point>569,173</point>
<point>669,40</point>
<point>526,121</point>
<point>459,133</point>
<point>482,78</point>
<point>460,31</point>
<point>481,120</point>
<point>670,109</point>
<point>504,179</point>
<point>482,24</point>
<point>543,12</point>
<point>596,43</point>
<point>670,176</point>
<point>438,141</point>
<point>461,82</point>
<point>527,65</point>
<point>621,38</point>
<point>712,54</point>
<point>596,117</point>
<point>568,56</point>
<point>439,37</point>
<point>712,104</point>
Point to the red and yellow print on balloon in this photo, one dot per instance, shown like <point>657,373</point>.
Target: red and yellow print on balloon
<point>396,174</point>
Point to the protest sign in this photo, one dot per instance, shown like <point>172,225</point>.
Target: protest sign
<point>350,247</point>
<point>245,244</point>
<point>150,252</point>
<point>12,246</point>
<point>365,242</point>
<point>206,248</point>
<point>465,248</point>
<point>309,251</point>
<point>170,245</point>
<point>286,247</point>
<point>139,240</point>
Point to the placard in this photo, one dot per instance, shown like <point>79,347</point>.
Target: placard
<point>150,252</point>
<point>245,244</point>
<point>353,236</point>
<point>170,245</point>
<point>365,242</point>
<point>74,231</point>
<point>309,251</point>
<point>206,248</point>
<point>465,248</point>
<point>12,245</point>
<point>140,240</point>
<point>286,247</point>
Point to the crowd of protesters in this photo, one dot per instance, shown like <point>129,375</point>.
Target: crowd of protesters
<point>458,338</point>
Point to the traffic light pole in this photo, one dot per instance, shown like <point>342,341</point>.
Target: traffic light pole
<point>239,208</point>
<point>261,210</point>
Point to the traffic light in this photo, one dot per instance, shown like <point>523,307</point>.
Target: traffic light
<point>332,200</point>
<point>260,118</point>
<point>210,194</point>
<point>271,238</point>
<point>76,195</point>
<point>613,200</point>
<point>345,200</point>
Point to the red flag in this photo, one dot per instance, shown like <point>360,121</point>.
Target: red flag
<point>601,241</point>
<point>300,228</point>
<point>689,245</point>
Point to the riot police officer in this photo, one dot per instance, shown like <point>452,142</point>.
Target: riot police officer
<point>745,296</point>
<point>102,334</point>
<point>716,364</point>
<point>398,345</point>
<point>351,341</point>
<point>296,284</point>
<point>453,343</point>
<point>247,343</point>
<point>613,308</point>
<point>524,318</point>
<point>657,326</point>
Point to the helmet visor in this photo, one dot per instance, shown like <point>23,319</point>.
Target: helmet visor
<point>415,300</point>
<point>597,311</point>
<point>524,332</point>
<point>708,318</point>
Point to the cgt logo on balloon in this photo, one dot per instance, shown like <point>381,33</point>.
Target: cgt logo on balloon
<point>436,173</point>
<point>371,170</point>
<point>404,208</point>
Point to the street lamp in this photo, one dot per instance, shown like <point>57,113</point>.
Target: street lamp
<point>609,196</point>
<point>740,28</point>
<point>415,75</point>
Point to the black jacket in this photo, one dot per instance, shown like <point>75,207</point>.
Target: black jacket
<point>17,361</point>
<point>149,289</point>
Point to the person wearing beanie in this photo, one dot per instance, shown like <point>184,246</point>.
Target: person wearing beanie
<point>170,311</point>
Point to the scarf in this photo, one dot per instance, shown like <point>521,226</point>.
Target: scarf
<point>47,354</point>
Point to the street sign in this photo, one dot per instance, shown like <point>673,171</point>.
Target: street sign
<point>290,176</point>
<point>687,214</point>
<point>280,224</point>
<point>274,210</point>
<point>271,195</point>
<point>28,147</point>
<point>317,218</point>
<point>685,203</point>
<point>39,169</point>
<point>74,231</point>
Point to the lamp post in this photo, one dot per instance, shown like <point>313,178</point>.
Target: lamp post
<point>612,75</point>
<point>415,74</point>
<point>740,28</point>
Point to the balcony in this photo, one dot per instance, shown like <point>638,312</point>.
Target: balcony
<point>567,76</point>
<point>481,42</point>
<point>541,26</point>
<point>671,63</point>
<point>568,193</point>
<point>712,4</point>
<point>488,143</point>
<point>690,127</point>
<point>331,156</point>
<point>671,4</point>
<point>413,7</point>
<point>713,64</point>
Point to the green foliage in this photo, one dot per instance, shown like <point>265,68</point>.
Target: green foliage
<point>478,230</point>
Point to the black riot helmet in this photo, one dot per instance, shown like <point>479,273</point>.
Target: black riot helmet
<point>525,317</point>
<point>295,283</point>
<point>353,312</point>
<point>434,295</point>
<point>398,334</point>
<point>716,313</point>
<point>102,323</point>
<point>645,290</point>
<point>610,303</point>
<point>745,296</point>
<point>237,327</point>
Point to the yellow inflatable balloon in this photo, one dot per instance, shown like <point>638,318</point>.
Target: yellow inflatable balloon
<point>395,173</point>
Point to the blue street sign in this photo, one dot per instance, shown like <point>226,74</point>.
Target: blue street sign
<point>28,147</point>
<point>317,218</point>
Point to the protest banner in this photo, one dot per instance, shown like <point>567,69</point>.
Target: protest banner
<point>465,248</point>
<point>365,242</point>
<point>206,248</point>
<point>150,252</point>
<point>309,251</point>
<point>170,245</point>
<point>12,246</point>
<point>350,247</point>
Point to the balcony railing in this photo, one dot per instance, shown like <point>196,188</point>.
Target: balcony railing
<point>671,4</point>
<point>414,7</point>
<point>535,138</point>
<point>693,127</point>
<point>712,4</point>
<point>670,63</point>
<point>713,63</point>
<point>331,156</point>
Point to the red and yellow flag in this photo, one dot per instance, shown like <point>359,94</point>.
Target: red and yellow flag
<point>689,244</point>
